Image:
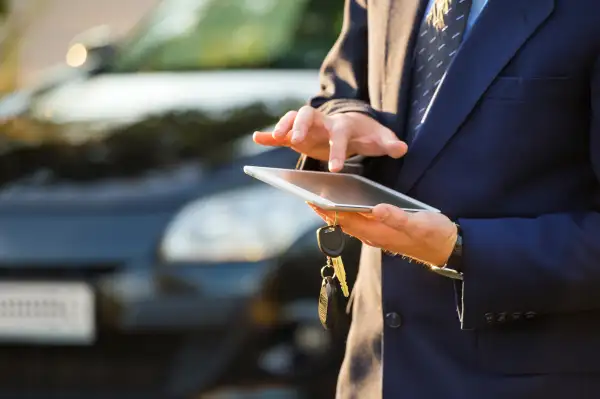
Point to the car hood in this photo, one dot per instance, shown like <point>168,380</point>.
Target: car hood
<point>118,131</point>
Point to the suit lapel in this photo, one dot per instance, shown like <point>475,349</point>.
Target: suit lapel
<point>501,29</point>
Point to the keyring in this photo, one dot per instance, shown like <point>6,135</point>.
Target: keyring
<point>327,266</point>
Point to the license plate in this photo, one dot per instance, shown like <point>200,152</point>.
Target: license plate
<point>47,313</point>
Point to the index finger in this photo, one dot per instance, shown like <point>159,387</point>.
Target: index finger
<point>337,153</point>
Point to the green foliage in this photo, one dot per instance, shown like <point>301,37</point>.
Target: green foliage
<point>226,34</point>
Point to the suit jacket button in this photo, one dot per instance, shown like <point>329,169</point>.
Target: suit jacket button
<point>501,317</point>
<point>530,315</point>
<point>393,320</point>
<point>489,318</point>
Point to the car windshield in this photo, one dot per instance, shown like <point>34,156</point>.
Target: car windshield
<point>232,34</point>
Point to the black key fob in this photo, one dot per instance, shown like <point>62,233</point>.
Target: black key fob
<point>331,241</point>
<point>332,307</point>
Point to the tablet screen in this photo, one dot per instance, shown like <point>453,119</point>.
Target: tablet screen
<point>343,189</point>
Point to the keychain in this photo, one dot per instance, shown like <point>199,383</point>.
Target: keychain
<point>331,304</point>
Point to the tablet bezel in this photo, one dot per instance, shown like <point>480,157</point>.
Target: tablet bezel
<point>265,175</point>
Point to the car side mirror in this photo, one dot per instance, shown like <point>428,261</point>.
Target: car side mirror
<point>92,50</point>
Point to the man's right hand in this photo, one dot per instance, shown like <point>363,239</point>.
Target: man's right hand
<point>332,138</point>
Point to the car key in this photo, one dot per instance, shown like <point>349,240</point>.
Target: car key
<point>331,243</point>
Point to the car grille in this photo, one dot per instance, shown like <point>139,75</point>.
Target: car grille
<point>115,365</point>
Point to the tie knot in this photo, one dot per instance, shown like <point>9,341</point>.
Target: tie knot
<point>440,9</point>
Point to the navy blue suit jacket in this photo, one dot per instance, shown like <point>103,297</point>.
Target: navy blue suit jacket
<point>511,149</point>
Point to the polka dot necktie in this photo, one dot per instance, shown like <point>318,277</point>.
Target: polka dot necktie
<point>435,47</point>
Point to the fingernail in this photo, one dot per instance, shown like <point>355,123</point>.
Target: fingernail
<point>334,164</point>
<point>382,214</point>
<point>296,136</point>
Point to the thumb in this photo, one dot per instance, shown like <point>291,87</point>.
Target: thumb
<point>393,146</point>
<point>391,216</point>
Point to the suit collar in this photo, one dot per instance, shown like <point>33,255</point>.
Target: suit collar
<point>500,30</point>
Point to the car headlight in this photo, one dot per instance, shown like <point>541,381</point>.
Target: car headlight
<point>247,224</point>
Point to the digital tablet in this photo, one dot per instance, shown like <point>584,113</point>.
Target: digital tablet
<point>335,191</point>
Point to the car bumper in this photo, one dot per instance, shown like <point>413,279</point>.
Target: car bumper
<point>186,297</point>
<point>159,334</point>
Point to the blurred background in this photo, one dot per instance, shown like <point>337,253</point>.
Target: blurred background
<point>137,260</point>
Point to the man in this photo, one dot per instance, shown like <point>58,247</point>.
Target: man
<point>503,136</point>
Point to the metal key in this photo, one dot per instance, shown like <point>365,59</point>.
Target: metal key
<point>331,243</point>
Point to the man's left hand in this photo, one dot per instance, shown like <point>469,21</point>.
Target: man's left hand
<point>427,237</point>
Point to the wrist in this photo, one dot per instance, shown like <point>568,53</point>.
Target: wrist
<point>447,250</point>
<point>452,268</point>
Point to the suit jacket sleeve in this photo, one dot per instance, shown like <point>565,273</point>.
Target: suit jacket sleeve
<point>343,75</point>
<point>519,267</point>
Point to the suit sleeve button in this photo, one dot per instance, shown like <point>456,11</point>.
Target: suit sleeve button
<point>516,316</point>
<point>489,318</point>
<point>530,315</point>
<point>502,317</point>
<point>393,320</point>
